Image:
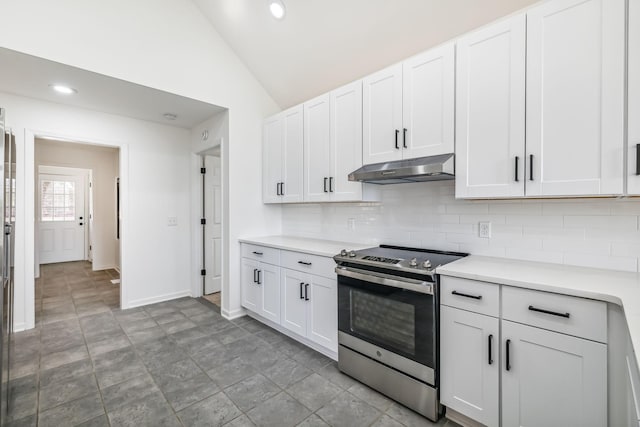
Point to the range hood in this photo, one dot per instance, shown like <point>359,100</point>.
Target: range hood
<point>431,168</point>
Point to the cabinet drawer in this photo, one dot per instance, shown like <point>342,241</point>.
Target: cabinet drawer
<point>313,264</point>
<point>575,316</point>
<point>471,295</point>
<point>261,253</point>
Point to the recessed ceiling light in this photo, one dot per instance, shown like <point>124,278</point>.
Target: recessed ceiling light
<point>66,90</point>
<point>170,116</point>
<point>277,8</point>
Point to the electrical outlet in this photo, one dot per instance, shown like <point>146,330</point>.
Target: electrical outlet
<point>172,221</point>
<point>484,229</point>
<point>351,224</point>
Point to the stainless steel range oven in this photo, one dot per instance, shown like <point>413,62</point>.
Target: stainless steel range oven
<point>388,322</point>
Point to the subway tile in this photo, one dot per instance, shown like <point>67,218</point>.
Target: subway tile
<point>599,261</point>
<point>619,223</point>
<point>578,246</point>
<point>548,221</point>
<point>534,255</point>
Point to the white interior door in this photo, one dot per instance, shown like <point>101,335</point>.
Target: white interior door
<point>61,217</point>
<point>213,228</point>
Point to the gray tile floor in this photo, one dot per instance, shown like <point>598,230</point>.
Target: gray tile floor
<point>173,363</point>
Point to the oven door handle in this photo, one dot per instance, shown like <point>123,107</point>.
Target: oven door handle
<point>386,280</point>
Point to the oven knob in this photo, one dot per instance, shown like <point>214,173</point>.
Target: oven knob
<point>343,252</point>
<point>352,254</point>
<point>413,262</point>
<point>427,264</point>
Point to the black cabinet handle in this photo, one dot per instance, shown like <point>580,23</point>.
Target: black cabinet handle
<point>79,217</point>
<point>330,184</point>
<point>282,188</point>
<point>301,296</point>
<point>517,162</point>
<point>278,189</point>
<point>257,253</point>
<point>325,184</point>
<point>637,159</point>
<point>306,292</point>
<point>259,282</point>
<point>490,349</point>
<point>397,133</point>
<point>404,137</point>
<point>553,313</point>
<point>508,354</point>
<point>460,294</point>
<point>80,223</point>
<point>304,262</point>
<point>255,272</point>
<point>531,167</point>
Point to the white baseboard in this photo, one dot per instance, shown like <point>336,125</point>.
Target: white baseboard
<point>156,299</point>
<point>19,327</point>
<point>233,314</point>
<point>104,267</point>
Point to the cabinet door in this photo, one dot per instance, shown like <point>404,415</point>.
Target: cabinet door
<point>317,149</point>
<point>575,97</point>
<point>294,305</point>
<point>292,159</point>
<point>382,116</point>
<point>469,380</point>
<point>322,312</point>
<point>633,123</point>
<point>490,111</point>
<point>346,141</point>
<point>553,379</point>
<point>269,288</point>
<point>428,103</point>
<point>271,159</point>
<point>250,291</point>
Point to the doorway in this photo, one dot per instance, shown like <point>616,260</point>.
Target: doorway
<point>212,225</point>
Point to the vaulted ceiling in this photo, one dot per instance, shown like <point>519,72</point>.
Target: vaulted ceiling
<point>322,44</point>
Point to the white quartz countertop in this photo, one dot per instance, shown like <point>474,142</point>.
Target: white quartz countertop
<point>326,248</point>
<point>611,286</point>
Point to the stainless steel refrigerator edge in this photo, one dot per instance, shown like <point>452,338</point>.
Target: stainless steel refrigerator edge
<point>7,203</point>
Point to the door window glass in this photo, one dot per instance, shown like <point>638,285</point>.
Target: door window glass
<point>57,200</point>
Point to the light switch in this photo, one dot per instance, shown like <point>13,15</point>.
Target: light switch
<point>172,221</point>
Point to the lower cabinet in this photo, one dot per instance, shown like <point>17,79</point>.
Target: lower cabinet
<point>552,379</point>
<point>309,307</point>
<point>470,364</point>
<point>502,372</point>
<point>261,288</point>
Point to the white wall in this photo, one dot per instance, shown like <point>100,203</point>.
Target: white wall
<point>154,171</point>
<point>601,233</point>
<point>103,161</point>
<point>168,45</point>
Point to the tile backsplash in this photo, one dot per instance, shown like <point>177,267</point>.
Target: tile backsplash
<point>602,233</point>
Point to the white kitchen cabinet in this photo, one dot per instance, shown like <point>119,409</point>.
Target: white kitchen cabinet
<point>470,364</point>
<point>261,288</point>
<point>382,115</point>
<point>575,98</point>
<point>333,145</point>
<point>490,111</point>
<point>428,87</point>
<point>552,379</point>
<point>282,157</point>
<point>633,122</point>
<point>310,307</point>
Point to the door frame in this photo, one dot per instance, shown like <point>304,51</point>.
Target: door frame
<point>25,202</point>
<point>87,175</point>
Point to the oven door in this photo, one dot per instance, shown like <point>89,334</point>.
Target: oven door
<point>390,319</point>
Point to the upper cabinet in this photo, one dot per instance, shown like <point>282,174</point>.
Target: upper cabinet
<point>574,77</point>
<point>575,98</point>
<point>282,157</point>
<point>333,145</point>
<point>633,123</point>
<point>408,109</point>
<point>490,111</point>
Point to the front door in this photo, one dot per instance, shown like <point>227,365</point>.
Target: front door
<point>61,218</point>
<point>213,227</point>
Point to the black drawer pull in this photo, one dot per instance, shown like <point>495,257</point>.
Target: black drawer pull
<point>553,313</point>
<point>460,294</point>
<point>490,349</point>
<point>304,262</point>
<point>508,353</point>
<point>258,253</point>
<point>637,159</point>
